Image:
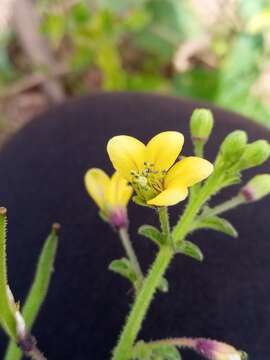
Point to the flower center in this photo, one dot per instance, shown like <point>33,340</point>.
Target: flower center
<point>148,182</point>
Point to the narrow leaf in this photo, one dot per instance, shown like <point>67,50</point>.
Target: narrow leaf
<point>151,233</point>
<point>124,268</point>
<point>190,249</point>
<point>166,352</point>
<point>39,288</point>
<point>218,224</point>
<point>152,351</point>
<point>7,314</point>
<point>141,351</point>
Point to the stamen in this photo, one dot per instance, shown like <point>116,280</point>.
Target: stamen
<point>148,181</point>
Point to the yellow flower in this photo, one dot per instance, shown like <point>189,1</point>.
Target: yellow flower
<point>110,194</point>
<point>150,168</point>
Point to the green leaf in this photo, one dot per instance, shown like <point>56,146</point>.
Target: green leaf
<point>151,233</point>
<point>218,224</point>
<point>124,268</point>
<point>189,249</point>
<point>141,351</point>
<point>7,314</point>
<point>151,351</point>
<point>42,278</point>
<point>39,288</point>
<point>166,352</point>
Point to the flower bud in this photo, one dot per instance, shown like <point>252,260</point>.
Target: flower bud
<point>255,154</point>
<point>118,218</point>
<point>201,125</point>
<point>215,350</point>
<point>233,146</point>
<point>256,188</point>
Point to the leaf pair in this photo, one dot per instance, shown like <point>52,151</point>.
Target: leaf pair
<point>184,247</point>
<point>124,268</point>
<point>152,351</point>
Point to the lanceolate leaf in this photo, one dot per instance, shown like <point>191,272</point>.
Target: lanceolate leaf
<point>218,224</point>
<point>39,288</point>
<point>152,351</point>
<point>124,268</point>
<point>7,314</point>
<point>190,249</point>
<point>166,352</point>
<point>151,233</point>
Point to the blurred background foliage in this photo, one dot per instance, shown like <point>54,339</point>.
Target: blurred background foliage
<point>210,50</point>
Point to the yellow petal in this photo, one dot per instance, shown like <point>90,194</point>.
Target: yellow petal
<point>126,154</point>
<point>170,196</point>
<point>119,191</point>
<point>188,172</point>
<point>164,148</point>
<point>97,183</point>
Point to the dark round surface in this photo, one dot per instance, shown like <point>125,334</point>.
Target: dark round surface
<point>227,297</point>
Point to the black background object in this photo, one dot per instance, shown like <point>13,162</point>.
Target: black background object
<point>227,297</point>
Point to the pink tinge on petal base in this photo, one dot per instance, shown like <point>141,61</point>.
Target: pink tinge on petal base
<point>215,350</point>
<point>248,193</point>
<point>118,218</point>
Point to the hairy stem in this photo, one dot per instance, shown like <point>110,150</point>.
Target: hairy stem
<point>227,205</point>
<point>164,220</point>
<point>123,350</point>
<point>179,342</point>
<point>124,236</point>
<point>135,319</point>
<point>194,205</point>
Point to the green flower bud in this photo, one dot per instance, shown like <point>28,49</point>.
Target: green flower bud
<point>201,125</point>
<point>256,188</point>
<point>255,154</point>
<point>233,146</point>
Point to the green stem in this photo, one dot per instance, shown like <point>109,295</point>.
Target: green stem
<point>124,236</point>
<point>164,221</point>
<point>123,350</point>
<point>195,203</point>
<point>135,319</point>
<point>227,205</point>
<point>179,342</point>
<point>199,148</point>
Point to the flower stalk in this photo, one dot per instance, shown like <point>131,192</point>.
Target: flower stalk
<point>225,206</point>
<point>209,349</point>
<point>124,236</point>
<point>164,221</point>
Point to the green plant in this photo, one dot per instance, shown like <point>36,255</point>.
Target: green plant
<point>159,183</point>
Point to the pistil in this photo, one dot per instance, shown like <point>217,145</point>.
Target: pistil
<point>148,182</point>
